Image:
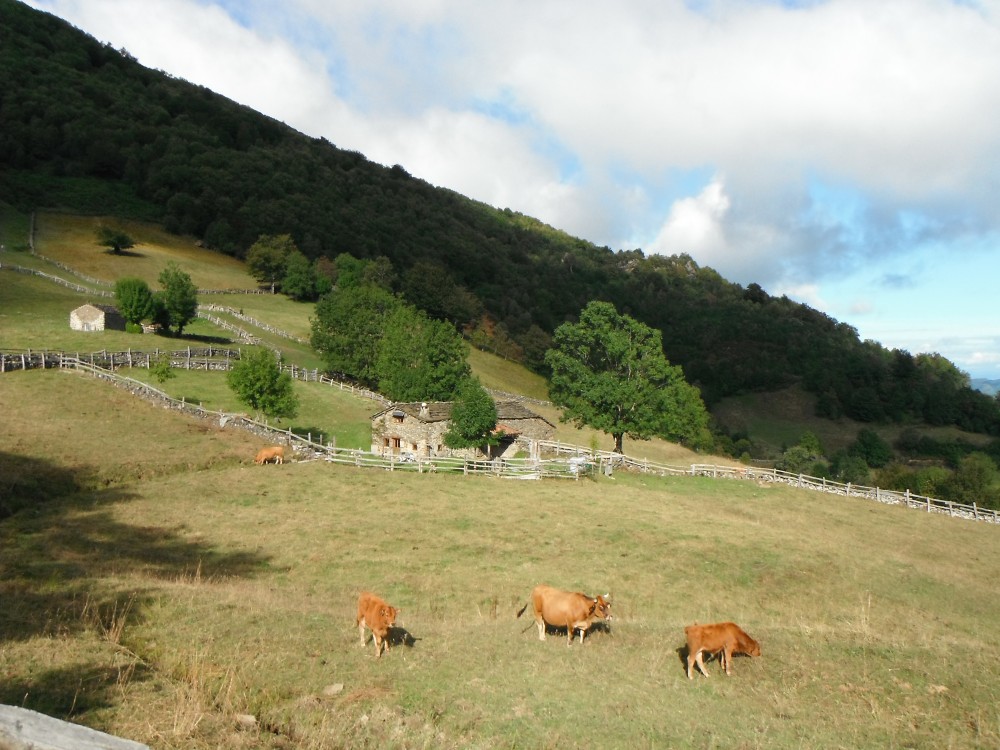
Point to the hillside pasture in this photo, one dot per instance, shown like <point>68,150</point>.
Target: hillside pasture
<point>173,586</point>
<point>779,419</point>
<point>72,240</point>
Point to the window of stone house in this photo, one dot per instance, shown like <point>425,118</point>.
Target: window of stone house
<point>396,442</point>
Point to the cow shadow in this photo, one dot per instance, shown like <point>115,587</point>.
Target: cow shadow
<point>398,636</point>
<point>598,626</point>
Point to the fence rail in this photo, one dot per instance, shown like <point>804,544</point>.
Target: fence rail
<point>190,358</point>
<point>607,461</point>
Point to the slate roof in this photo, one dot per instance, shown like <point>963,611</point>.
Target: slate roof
<point>440,411</point>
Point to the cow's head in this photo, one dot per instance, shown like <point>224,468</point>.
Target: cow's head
<point>388,615</point>
<point>602,606</point>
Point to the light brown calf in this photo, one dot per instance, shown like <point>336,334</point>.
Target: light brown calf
<point>275,453</point>
<point>378,617</point>
<point>725,637</point>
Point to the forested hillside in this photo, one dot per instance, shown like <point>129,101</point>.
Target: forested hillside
<point>84,126</point>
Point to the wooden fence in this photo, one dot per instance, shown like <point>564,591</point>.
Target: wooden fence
<point>606,461</point>
<point>206,358</point>
<point>579,461</point>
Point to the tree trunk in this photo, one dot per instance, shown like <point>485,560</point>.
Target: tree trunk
<point>618,441</point>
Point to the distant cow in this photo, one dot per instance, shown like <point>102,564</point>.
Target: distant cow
<point>726,638</point>
<point>565,609</point>
<point>275,453</point>
<point>378,617</point>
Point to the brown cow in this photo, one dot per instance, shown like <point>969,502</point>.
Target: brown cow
<point>726,638</point>
<point>565,609</point>
<point>378,617</point>
<point>275,453</point>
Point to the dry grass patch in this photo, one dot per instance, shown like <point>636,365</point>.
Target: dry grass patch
<point>72,240</point>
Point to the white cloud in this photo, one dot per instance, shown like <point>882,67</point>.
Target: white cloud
<point>696,226</point>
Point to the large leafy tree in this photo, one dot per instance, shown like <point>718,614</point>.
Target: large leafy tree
<point>134,300</point>
<point>473,417</point>
<point>609,372</point>
<point>178,299</point>
<point>259,383</point>
<point>301,282</point>
<point>420,358</point>
<point>267,258</point>
<point>347,329</point>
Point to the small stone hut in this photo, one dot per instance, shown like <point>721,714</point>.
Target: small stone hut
<point>96,318</point>
<point>417,429</point>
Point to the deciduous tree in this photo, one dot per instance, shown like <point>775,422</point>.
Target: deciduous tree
<point>609,372</point>
<point>267,257</point>
<point>300,279</point>
<point>347,329</point>
<point>420,359</point>
<point>115,240</point>
<point>178,299</point>
<point>473,417</point>
<point>259,383</point>
<point>134,300</point>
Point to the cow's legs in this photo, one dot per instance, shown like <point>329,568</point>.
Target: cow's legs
<point>701,663</point>
<point>727,655</point>
<point>541,627</point>
<point>361,630</point>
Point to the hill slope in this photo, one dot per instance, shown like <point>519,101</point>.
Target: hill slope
<point>85,126</point>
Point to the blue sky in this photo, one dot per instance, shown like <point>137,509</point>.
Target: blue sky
<point>842,152</point>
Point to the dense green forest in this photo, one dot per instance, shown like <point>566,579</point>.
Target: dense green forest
<point>83,126</point>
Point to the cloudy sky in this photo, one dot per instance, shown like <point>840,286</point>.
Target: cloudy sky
<point>843,152</point>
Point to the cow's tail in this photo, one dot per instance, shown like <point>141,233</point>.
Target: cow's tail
<point>521,610</point>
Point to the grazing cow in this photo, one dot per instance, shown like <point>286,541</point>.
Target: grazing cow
<point>726,638</point>
<point>565,609</point>
<point>275,453</point>
<point>378,617</point>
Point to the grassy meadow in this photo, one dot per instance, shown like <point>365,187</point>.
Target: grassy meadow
<point>156,584</point>
<point>162,585</point>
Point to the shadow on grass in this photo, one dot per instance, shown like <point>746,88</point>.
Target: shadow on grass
<point>398,636</point>
<point>63,555</point>
<point>199,338</point>
<point>560,631</point>
<point>124,253</point>
<point>316,434</point>
<point>69,691</point>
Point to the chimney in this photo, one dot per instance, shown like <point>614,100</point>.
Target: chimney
<point>423,409</point>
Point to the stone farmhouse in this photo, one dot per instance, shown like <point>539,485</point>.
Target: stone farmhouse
<point>417,430</point>
<point>96,318</point>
